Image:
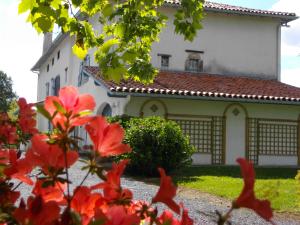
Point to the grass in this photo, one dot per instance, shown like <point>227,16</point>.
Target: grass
<point>276,184</point>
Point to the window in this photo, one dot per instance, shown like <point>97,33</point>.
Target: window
<point>57,85</point>
<point>52,61</point>
<point>52,86</point>
<point>194,62</point>
<point>107,110</point>
<point>58,54</point>
<point>48,68</point>
<point>87,60</point>
<point>66,74</point>
<point>164,60</point>
<point>47,89</point>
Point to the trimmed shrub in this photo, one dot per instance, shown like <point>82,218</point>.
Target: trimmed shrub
<point>156,142</point>
<point>123,120</point>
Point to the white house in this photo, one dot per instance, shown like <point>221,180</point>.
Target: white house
<point>223,88</point>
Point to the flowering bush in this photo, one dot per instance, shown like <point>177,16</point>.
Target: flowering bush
<point>53,203</point>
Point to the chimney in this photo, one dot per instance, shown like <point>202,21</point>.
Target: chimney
<point>47,42</point>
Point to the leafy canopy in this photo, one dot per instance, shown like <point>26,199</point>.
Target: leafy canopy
<point>128,30</point>
<point>7,94</point>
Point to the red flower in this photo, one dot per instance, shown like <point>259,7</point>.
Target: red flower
<point>37,212</point>
<point>185,219</point>
<point>247,197</point>
<point>118,215</point>
<point>48,156</point>
<point>166,192</point>
<point>72,103</point>
<point>112,189</point>
<point>85,203</point>
<point>167,217</point>
<point>107,138</point>
<point>8,196</point>
<point>8,132</point>
<point>50,193</point>
<point>17,168</point>
<point>27,121</point>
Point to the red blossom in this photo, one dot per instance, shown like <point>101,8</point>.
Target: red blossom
<point>50,193</point>
<point>166,192</point>
<point>85,203</point>
<point>247,197</point>
<point>118,215</point>
<point>167,217</point>
<point>107,138</point>
<point>37,212</point>
<point>48,156</point>
<point>17,168</point>
<point>73,104</point>
<point>8,196</point>
<point>8,132</point>
<point>112,189</point>
<point>27,121</point>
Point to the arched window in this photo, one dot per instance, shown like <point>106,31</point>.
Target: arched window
<point>106,110</point>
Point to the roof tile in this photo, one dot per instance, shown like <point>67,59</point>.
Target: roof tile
<point>203,84</point>
<point>224,7</point>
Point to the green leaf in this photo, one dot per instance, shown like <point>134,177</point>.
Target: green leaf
<point>25,5</point>
<point>108,10</point>
<point>108,44</point>
<point>97,222</point>
<point>59,107</point>
<point>85,113</point>
<point>44,24</point>
<point>76,2</point>
<point>79,51</point>
<point>116,74</point>
<point>129,56</point>
<point>43,111</point>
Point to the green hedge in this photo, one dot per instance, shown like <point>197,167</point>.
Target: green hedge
<point>155,142</point>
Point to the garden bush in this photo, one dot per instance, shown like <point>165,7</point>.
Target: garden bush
<point>156,142</point>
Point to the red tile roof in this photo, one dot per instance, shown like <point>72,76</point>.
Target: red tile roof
<point>224,7</point>
<point>206,85</point>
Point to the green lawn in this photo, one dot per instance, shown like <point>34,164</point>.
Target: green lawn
<point>276,184</point>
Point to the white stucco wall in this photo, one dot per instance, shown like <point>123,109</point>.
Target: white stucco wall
<point>58,68</point>
<point>201,159</point>
<point>235,134</point>
<point>235,45</point>
<point>232,44</point>
<point>267,160</point>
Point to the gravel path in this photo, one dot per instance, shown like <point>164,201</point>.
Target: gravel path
<point>201,206</point>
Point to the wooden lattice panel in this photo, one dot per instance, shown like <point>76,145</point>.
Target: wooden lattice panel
<point>206,134</point>
<point>272,137</point>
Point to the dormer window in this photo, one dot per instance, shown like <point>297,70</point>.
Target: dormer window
<point>52,61</point>
<point>194,62</point>
<point>164,61</point>
<point>48,68</point>
<point>58,55</point>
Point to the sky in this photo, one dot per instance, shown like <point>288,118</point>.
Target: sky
<point>21,46</point>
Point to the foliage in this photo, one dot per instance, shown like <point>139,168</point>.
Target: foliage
<point>156,143</point>
<point>129,29</point>
<point>6,92</point>
<point>50,156</point>
<point>276,184</point>
<point>123,120</point>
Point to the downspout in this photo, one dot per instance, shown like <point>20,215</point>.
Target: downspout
<point>278,52</point>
